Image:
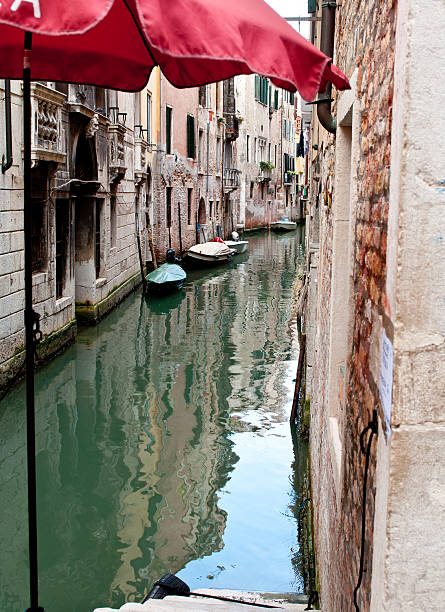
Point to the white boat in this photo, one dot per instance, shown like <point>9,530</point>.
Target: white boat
<point>283,225</point>
<point>209,253</point>
<point>240,246</point>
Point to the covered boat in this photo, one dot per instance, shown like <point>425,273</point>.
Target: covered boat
<point>168,277</point>
<point>209,253</point>
<point>283,225</point>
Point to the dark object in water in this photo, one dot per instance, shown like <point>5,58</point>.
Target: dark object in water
<point>168,585</point>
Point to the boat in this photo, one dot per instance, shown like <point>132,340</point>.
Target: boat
<point>240,246</point>
<point>283,225</point>
<point>168,277</point>
<point>209,253</point>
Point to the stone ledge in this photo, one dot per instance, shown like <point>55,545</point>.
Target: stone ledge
<point>91,314</point>
<point>62,303</point>
<point>12,370</point>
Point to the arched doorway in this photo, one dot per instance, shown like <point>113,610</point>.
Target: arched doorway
<point>202,217</point>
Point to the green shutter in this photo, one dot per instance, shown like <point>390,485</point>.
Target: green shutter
<point>311,6</point>
<point>257,87</point>
<point>276,99</point>
<point>270,96</point>
<point>292,98</point>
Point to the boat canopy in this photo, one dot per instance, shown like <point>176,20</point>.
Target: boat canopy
<point>211,249</point>
<point>167,273</point>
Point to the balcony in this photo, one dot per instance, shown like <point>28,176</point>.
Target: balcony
<point>288,177</point>
<point>265,175</point>
<point>140,162</point>
<point>231,179</point>
<point>116,135</point>
<point>48,142</point>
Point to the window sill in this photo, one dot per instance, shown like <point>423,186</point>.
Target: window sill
<point>63,302</point>
<point>100,282</point>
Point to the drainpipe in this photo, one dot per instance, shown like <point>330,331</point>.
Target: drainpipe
<point>7,160</point>
<point>327,47</point>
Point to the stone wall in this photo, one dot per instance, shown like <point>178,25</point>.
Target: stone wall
<point>351,295</point>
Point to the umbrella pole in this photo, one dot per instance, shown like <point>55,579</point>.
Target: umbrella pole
<point>29,336</point>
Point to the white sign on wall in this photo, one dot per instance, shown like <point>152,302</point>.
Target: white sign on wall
<point>385,382</point>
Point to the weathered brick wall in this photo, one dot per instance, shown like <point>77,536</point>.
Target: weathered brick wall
<point>364,39</point>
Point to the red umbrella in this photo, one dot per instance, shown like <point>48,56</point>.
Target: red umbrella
<point>115,44</point>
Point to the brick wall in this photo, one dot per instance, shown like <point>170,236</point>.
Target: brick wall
<point>364,42</point>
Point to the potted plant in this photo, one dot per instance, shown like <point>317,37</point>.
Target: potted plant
<point>266,165</point>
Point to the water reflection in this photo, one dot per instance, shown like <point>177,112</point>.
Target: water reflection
<point>143,425</point>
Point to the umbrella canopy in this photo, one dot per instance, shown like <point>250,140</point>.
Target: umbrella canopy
<point>116,43</point>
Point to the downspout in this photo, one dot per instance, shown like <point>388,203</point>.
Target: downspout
<point>327,47</point>
<point>7,160</point>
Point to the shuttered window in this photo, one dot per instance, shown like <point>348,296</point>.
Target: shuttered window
<point>191,148</point>
<point>276,100</point>
<point>168,129</point>
<point>261,89</point>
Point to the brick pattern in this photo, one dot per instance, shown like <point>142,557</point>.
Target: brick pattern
<point>364,38</point>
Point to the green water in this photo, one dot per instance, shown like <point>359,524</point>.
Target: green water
<point>163,445</point>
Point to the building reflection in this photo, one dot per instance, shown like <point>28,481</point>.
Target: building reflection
<point>134,435</point>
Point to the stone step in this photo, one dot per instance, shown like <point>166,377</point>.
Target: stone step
<point>204,604</point>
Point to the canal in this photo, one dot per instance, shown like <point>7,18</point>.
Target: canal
<point>163,445</point>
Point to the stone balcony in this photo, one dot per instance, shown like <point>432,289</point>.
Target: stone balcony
<point>116,134</point>
<point>140,160</point>
<point>231,179</point>
<point>48,138</point>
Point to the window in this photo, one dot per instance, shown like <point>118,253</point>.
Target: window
<point>261,89</point>
<point>113,220</point>
<point>276,99</point>
<point>275,156</point>
<point>217,208</point>
<point>268,152</point>
<point>251,188</point>
<point>200,147</point>
<point>254,151</point>
<point>168,129</point>
<point>149,117</point>
<point>248,148</point>
<point>169,207</point>
<point>218,154</point>
<point>204,96</point>
<point>262,191</point>
<point>189,205</point>
<point>210,209</point>
<point>191,136</point>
